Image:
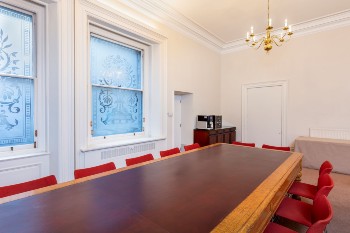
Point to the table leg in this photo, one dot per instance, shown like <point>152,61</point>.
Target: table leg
<point>298,178</point>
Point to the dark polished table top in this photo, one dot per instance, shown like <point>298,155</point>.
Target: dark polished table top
<point>192,192</point>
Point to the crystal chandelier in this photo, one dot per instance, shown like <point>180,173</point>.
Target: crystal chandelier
<point>269,39</point>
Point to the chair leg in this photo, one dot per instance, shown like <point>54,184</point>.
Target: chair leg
<point>296,197</point>
<point>275,218</point>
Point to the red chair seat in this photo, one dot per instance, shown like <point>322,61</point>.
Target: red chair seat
<point>27,186</point>
<point>304,190</point>
<point>315,216</point>
<point>173,151</point>
<point>80,173</point>
<point>244,144</point>
<point>140,159</point>
<point>283,148</point>
<point>295,210</point>
<point>276,228</point>
<point>324,185</point>
<point>192,147</point>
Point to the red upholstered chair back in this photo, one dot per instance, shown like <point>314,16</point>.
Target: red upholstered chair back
<point>192,147</point>
<point>244,144</point>
<point>27,186</point>
<point>326,167</point>
<point>173,151</point>
<point>140,159</point>
<point>322,214</point>
<point>284,148</point>
<point>80,173</point>
<point>324,185</point>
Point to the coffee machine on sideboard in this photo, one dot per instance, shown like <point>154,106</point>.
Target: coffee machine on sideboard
<point>210,131</point>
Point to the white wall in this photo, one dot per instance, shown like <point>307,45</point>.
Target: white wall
<point>195,69</point>
<point>316,67</point>
<point>191,67</point>
<point>317,70</point>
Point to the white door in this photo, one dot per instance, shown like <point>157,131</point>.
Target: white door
<point>264,115</point>
<point>177,121</point>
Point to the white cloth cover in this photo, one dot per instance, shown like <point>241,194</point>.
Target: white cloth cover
<point>317,150</point>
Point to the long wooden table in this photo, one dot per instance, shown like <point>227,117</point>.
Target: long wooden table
<point>219,188</point>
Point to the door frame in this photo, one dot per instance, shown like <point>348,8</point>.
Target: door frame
<point>187,118</point>
<point>174,121</point>
<point>246,87</point>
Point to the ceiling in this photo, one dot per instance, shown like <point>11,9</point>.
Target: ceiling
<point>229,20</point>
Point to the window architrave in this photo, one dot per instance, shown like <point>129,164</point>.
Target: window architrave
<point>112,36</point>
<point>38,11</point>
<point>89,12</point>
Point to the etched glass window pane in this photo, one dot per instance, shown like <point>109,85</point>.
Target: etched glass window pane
<point>115,65</point>
<point>116,111</point>
<point>16,111</point>
<point>16,42</point>
<point>16,94</point>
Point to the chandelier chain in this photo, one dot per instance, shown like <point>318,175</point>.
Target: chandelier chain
<point>268,11</point>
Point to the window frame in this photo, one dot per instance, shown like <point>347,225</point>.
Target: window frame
<point>39,68</point>
<point>124,40</point>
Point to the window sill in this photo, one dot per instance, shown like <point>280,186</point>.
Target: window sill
<point>100,146</point>
<point>13,155</point>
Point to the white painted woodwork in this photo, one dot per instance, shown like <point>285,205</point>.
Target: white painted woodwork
<point>228,20</point>
<point>119,154</point>
<point>92,16</point>
<point>23,165</point>
<point>264,113</point>
<point>264,116</point>
<point>315,100</point>
<point>18,170</point>
<point>342,134</point>
<point>177,121</point>
<point>226,32</point>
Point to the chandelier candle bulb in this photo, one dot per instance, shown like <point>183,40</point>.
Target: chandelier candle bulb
<point>270,22</point>
<point>290,28</point>
<point>247,35</point>
<point>285,23</point>
<point>251,30</point>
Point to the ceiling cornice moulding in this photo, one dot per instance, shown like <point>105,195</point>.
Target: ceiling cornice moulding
<point>167,15</point>
<point>328,22</point>
<point>162,12</point>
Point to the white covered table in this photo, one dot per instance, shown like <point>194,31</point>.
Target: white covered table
<point>317,150</point>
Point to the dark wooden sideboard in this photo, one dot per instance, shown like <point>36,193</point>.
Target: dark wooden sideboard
<point>207,137</point>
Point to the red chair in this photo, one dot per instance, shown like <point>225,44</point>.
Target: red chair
<point>324,185</point>
<point>244,144</point>
<point>27,186</point>
<point>140,159</point>
<point>283,148</point>
<point>315,216</point>
<point>80,173</point>
<point>192,147</point>
<point>326,167</point>
<point>166,153</point>
<point>276,228</point>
